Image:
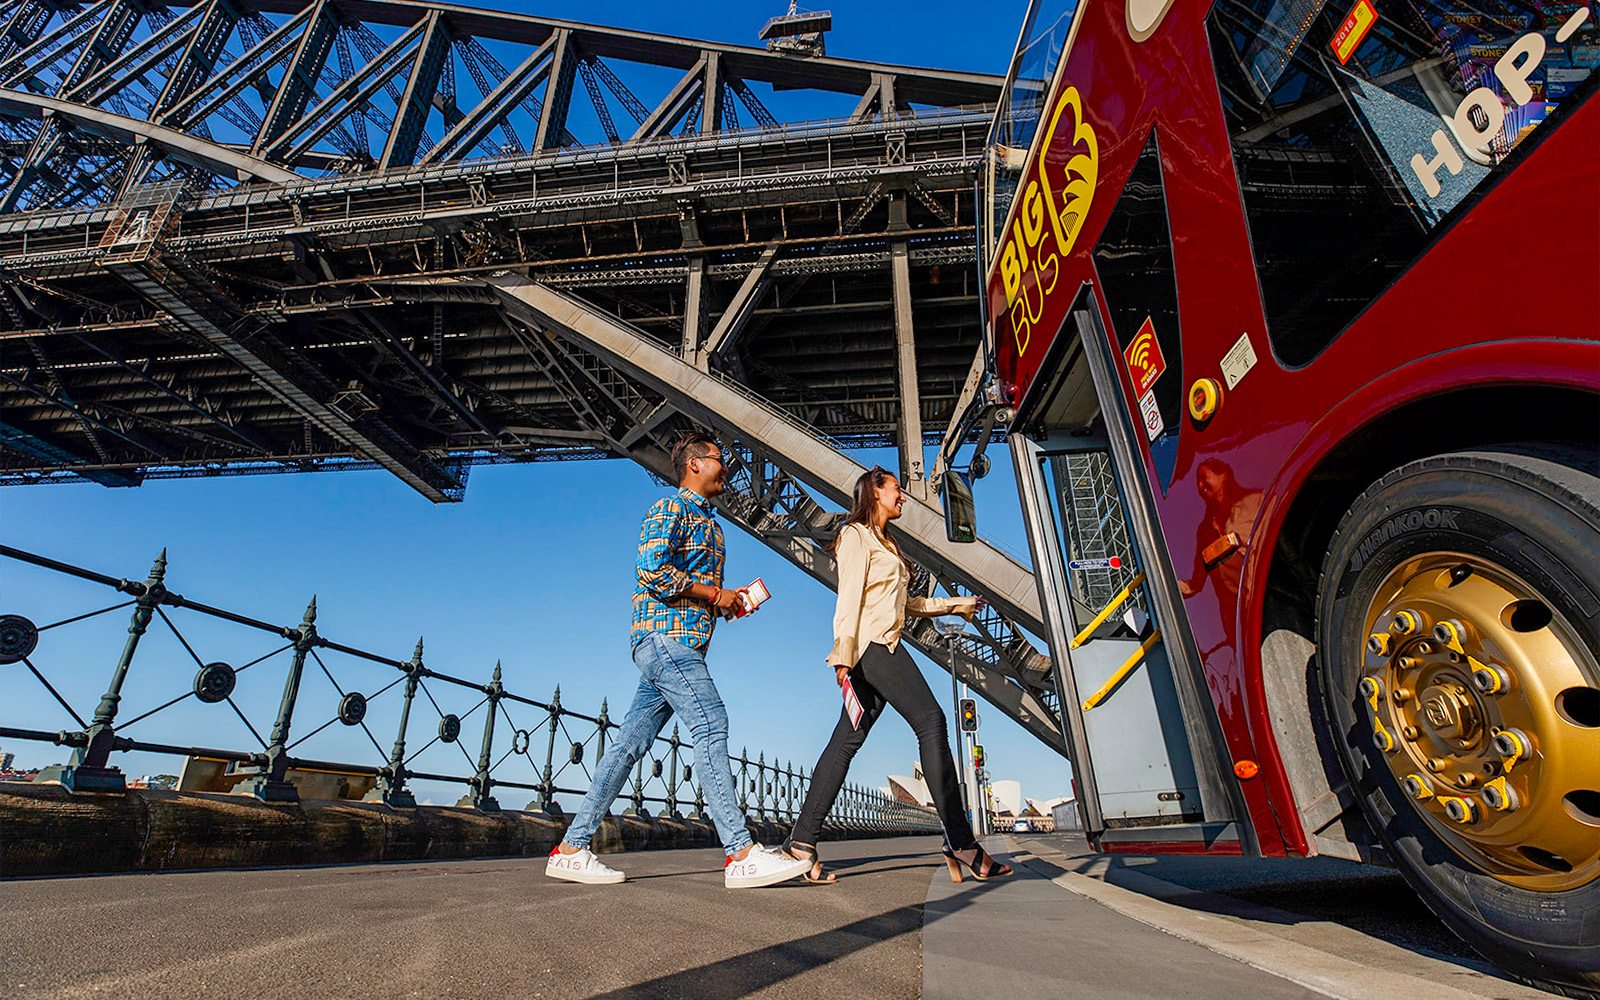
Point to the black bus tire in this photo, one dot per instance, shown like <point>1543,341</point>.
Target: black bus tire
<point>1534,513</point>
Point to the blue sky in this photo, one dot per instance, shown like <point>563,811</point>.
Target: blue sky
<point>534,569</point>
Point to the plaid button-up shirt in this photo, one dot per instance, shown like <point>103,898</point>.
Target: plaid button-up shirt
<point>680,543</point>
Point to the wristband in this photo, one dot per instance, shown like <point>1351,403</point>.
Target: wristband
<point>716,592</point>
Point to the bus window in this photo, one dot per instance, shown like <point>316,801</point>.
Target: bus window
<point>1359,127</point>
<point>1134,262</point>
<point>1044,38</point>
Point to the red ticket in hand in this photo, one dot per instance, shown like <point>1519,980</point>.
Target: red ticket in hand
<point>852,704</point>
<point>755,595</point>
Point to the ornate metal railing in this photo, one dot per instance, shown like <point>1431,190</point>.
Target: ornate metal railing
<point>664,780</point>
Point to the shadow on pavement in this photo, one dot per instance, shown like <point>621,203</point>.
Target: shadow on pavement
<point>754,971</point>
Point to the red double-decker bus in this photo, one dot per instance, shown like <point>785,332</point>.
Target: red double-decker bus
<point>1295,306</point>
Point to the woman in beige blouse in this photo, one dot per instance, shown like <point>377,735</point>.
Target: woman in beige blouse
<point>874,586</point>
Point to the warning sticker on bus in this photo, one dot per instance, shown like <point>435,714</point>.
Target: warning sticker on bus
<point>1150,410</point>
<point>1355,27</point>
<point>1145,361</point>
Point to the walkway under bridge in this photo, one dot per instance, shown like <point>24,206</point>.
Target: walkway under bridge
<point>247,236</point>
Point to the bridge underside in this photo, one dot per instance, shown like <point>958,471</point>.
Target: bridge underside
<point>246,251</point>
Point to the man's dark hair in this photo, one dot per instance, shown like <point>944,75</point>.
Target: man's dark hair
<point>695,444</point>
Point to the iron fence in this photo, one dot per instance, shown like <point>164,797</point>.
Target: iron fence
<point>550,745</point>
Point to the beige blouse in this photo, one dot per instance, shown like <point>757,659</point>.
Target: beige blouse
<point>874,596</point>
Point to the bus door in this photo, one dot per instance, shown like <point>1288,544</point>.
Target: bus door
<point>1141,729</point>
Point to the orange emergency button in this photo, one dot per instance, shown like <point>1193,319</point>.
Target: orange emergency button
<point>1204,398</point>
<point>1246,769</point>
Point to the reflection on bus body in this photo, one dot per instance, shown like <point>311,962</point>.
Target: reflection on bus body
<point>1229,507</point>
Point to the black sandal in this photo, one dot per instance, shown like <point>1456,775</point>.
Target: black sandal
<point>816,874</point>
<point>975,866</point>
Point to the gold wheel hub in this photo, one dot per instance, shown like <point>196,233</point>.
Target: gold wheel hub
<point>1484,704</point>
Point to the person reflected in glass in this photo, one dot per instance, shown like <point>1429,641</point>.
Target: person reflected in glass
<point>874,600</point>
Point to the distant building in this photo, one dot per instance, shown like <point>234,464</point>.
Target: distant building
<point>166,781</point>
<point>8,768</point>
<point>912,789</point>
<point>1005,798</point>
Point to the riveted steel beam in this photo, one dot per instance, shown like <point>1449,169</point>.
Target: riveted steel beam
<point>417,101</point>
<point>558,92</point>
<point>299,82</point>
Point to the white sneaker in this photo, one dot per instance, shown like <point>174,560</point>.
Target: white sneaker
<point>583,867</point>
<point>762,866</point>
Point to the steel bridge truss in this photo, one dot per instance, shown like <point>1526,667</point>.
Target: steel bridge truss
<point>98,98</point>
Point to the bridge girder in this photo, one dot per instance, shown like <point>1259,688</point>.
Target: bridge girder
<point>226,87</point>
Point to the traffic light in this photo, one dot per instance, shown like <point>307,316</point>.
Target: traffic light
<point>969,715</point>
<point>977,755</point>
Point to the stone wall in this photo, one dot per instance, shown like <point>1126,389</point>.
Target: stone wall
<point>46,830</point>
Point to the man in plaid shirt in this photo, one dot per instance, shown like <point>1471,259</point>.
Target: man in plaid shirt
<point>676,600</point>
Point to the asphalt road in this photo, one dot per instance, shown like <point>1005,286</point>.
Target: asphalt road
<point>1069,925</point>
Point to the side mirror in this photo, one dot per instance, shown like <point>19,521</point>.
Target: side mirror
<point>960,514</point>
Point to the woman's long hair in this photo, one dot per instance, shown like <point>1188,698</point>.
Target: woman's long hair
<point>865,499</point>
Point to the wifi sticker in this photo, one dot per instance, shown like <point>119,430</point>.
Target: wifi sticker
<point>1145,362</point>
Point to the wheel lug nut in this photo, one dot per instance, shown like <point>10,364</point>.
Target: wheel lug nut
<point>1370,687</point>
<point>1446,632</point>
<point>1490,680</point>
<point>1435,765</point>
<point>1410,732</point>
<point>1499,796</point>
<point>1404,623</point>
<point>1417,787</point>
<point>1378,643</point>
<point>1513,745</point>
<point>1467,779</point>
<point>1401,695</point>
<point>1458,809</point>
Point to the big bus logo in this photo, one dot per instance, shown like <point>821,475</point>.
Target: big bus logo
<point>1060,195</point>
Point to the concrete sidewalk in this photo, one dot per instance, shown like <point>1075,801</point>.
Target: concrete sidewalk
<point>1025,936</point>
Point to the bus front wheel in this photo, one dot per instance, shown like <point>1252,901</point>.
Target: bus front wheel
<point>1459,633</point>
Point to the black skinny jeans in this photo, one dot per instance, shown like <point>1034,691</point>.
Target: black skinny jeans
<point>893,678</point>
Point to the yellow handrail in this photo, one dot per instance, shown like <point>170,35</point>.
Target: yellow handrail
<point>1099,619</point>
<point>1122,671</point>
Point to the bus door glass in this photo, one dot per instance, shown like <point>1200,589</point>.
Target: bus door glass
<point>1144,768</point>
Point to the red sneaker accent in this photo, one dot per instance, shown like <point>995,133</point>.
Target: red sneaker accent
<point>555,850</point>
<point>727,861</point>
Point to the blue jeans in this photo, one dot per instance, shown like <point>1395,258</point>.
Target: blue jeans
<point>673,678</point>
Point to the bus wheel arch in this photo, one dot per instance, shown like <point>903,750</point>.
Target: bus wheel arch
<point>1463,419</point>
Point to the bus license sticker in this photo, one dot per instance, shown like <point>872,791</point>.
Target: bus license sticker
<point>1153,424</point>
<point>1145,361</point>
<point>1236,364</point>
<point>1355,27</point>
